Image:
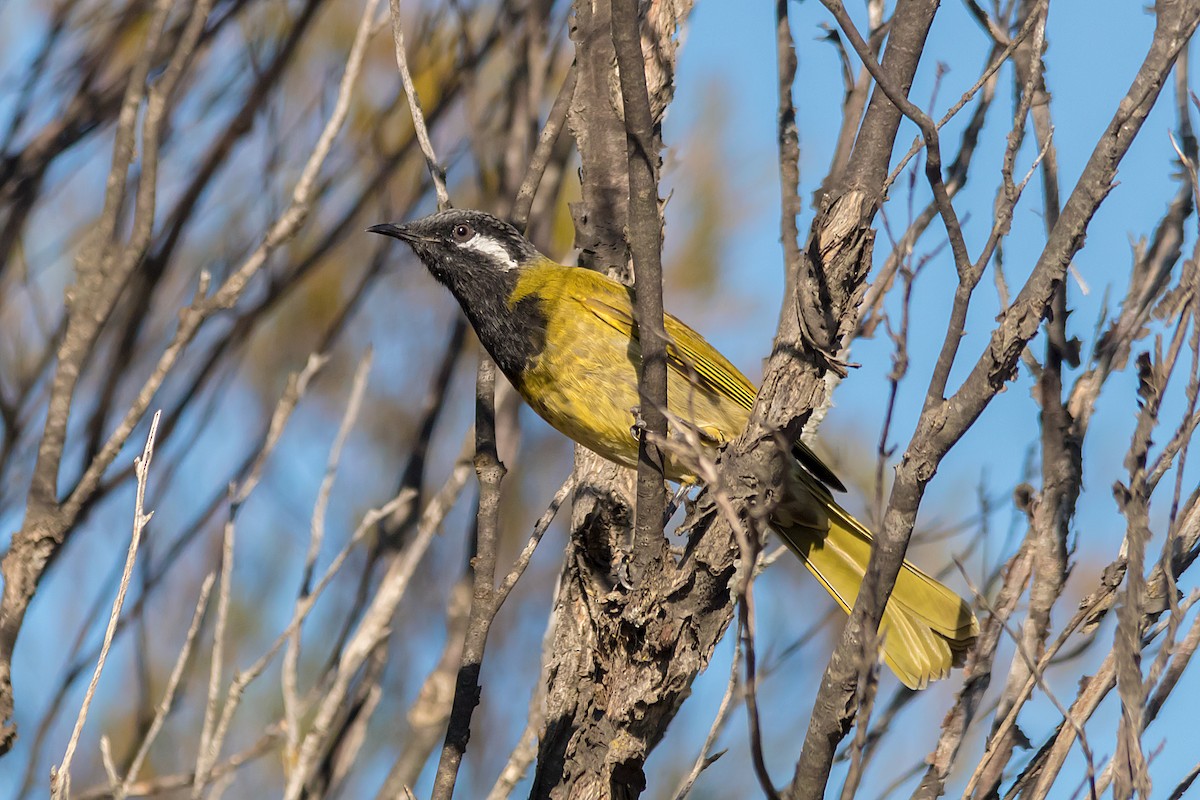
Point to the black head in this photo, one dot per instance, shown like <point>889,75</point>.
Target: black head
<point>479,258</point>
<point>463,243</point>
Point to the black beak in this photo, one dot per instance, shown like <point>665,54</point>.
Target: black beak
<point>394,231</point>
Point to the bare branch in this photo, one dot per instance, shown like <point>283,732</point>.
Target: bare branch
<point>436,173</point>
<point>373,627</point>
<point>168,699</point>
<point>645,245</point>
<point>490,473</point>
<point>60,779</point>
<point>706,758</point>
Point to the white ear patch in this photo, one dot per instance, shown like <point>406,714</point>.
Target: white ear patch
<point>493,250</point>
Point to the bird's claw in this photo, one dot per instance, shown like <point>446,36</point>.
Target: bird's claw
<point>639,424</point>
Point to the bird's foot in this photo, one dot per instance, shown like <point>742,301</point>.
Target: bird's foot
<point>639,424</point>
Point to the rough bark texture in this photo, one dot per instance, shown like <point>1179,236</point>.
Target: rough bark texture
<point>621,661</point>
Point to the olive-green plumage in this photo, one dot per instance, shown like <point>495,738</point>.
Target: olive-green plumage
<point>565,338</point>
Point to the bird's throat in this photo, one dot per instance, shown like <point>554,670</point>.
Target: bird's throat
<point>514,334</point>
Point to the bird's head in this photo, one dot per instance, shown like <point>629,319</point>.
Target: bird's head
<point>481,259</point>
<point>459,245</point>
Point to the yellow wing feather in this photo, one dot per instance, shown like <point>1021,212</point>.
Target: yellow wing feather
<point>691,356</point>
<point>687,352</point>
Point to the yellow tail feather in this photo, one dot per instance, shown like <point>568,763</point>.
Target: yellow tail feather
<point>926,627</point>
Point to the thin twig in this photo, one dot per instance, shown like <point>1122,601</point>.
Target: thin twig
<point>209,749</point>
<point>746,637</point>
<point>703,759</point>
<point>110,766</point>
<point>153,786</point>
<point>490,473</point>
<point>545,147</point>
<point>168,699</point>
<point>60,779</point>
<point>526,749</point>
<point>373,627</point>
<point>436,173</point>
<point>289,678</point>
<point>539,529</point>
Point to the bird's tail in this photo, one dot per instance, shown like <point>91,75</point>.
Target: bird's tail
<point>926,627</point>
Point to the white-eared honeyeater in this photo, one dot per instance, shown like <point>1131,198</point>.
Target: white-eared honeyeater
<point>565,338</point>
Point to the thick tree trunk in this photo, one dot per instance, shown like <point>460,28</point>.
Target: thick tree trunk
<point>620,665</point>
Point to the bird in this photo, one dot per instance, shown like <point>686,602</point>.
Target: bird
<point>566,339</point>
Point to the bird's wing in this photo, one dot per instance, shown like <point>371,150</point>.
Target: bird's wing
<point>689,354</point>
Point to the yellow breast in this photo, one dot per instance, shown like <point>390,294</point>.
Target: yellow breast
<point>584,382</point>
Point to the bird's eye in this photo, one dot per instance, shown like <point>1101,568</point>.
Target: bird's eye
<point>463,232</point>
